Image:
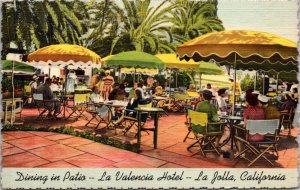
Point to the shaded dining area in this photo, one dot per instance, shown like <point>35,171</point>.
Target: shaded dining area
<point>238,128</point>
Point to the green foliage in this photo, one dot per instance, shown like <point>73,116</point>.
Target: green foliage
<point>35,24</point>
<point>70,131</point>
<point>9,127</point>
<point>105,27</point>
<point>193,18</point>
<point>182,79</point>
<point>248,83</point>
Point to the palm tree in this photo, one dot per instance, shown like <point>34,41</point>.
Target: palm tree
<point>104,24</point>
<point>144,27</point>
<point>39,23</point>
<point>194,18</point>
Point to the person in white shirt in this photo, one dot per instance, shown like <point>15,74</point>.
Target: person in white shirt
<point>95,96</point>
<point>54,87</point>
<point>221,100</point>
<point>208,87</point>
<point>34,83</point>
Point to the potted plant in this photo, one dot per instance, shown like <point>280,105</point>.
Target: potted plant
<point>6,85</point>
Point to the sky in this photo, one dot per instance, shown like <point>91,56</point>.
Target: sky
<point>273,16</point>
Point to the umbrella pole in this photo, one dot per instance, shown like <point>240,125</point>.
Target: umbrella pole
<point>176,78</point>
<point>263,91</point>
<point>200,81</point>
<point>234,85</point>
<point>134,75</point>
<point>65,83</point>
<point>255,80</point>
<point>119,74</point>
<point>277,82</point>
<point>13,93</point>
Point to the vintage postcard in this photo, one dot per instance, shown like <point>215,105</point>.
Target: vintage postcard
<point>153,94</point>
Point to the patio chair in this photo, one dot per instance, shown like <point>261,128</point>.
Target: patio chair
<point>177,103</point>
<point>79,106</point>
<point>287,119</point>
<point>249,148</point>
<point>27,94</point>
<point>204,136</point>
<point>130,119</point>
<point>44,106</point>
<point>161,104</point>
<point>11,109</point>
<point>102,113</point>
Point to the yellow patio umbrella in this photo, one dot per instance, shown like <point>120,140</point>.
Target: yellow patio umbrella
<point>173,62</point>
<point>243,49</point>
<point>64,53</point>
<point>247,49</point>
<point>66,56</point>
<point>218,81</point>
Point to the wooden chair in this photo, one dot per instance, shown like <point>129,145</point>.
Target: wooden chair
<point>44,106</point>
<point>268,128</point>
<point>27,93</point>
<point>79,106</point>
<point>10,109</point>
<point>287,119</point>
<point>130,119</point>
<point>99,112</point>
<point>203,134</point>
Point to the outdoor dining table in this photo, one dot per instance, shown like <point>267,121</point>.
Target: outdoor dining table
<point>155,112</point>
<point>231,121</point>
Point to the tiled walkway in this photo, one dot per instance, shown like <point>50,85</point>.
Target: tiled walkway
<point>45,149</point>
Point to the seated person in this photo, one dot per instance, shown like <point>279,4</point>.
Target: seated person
<point>131,92</point>
<point>54,86</point>
<point>271,111</point>
<point>253,112</point>
<point>113,94</point>
<point>49,95</point>
<point>122,90</point>
<point>288,103</point>
<point>191,88</point>
<point>295,94</point>
<point>221,100</point>
<point>137,100</point>
<point>95,96</point>
<point>158,91</point>
<point>121,93</point>
<point>206,107</point>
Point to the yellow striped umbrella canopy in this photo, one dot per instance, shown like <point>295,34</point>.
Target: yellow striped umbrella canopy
<point>248,49</point>
<point>64,53</point>
<point>219,81</point>
<point>145,71</point>
<point>173,62</point>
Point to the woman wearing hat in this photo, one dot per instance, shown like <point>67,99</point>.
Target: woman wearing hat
<point>34,83</point>
<point>253,112</point>
<point>71,82</point>
<point>108,82</point>
<point>221,100</point>
<point>271,112</point>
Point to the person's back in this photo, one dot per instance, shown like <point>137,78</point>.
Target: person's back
<point>206,107</point>
<point>253,112</point>
<point>271,112</point>
<point>288,104</point>
<point>46,91</point>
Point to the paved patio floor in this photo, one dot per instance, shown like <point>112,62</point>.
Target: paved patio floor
<point>46,149</point>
